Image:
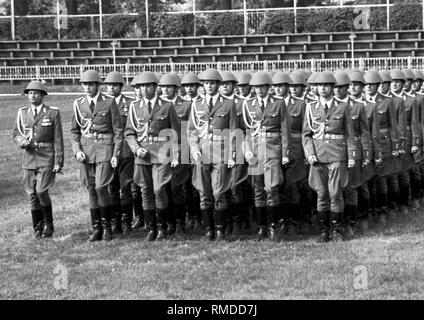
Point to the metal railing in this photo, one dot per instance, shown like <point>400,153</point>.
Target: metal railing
<point>131,70</point>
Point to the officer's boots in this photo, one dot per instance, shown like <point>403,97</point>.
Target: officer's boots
<point>116,219</point>
<point>48,221</point>
<point>324,221</point>
<point>237,213</point>
<point>126,219</point>
<point>335,230</point>
<point>106,217</point>
<point>161,216</point>
<point>180,212</point>
<point>219,217</point>
<point>37,223</point>
<point>97,226</point>
<point>208,220</point>
<point>262,223</point>
<point>150,216</point>
<point>138,211</point>
<point>349,222</point>
<point>273,214</point>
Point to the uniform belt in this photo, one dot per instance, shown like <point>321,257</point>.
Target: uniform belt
<point>296,135</point>
<point>330,136</point>
<point>269,134</point>
<point>152,139</point>
<point>384,130</point>
<point>95,135</point>
<point>43,144</point>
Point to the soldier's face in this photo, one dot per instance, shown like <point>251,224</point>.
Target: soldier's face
<point>297,90</point>
<point>114,89</point>
<point>169,91</point>
<point>90,88</point>
<point>191,89</point>
<point>384,87</point>
<point>416,86</point>
<point>211,87</point>
<point>397,85</point>
<point>371,88</point>
<point>281,90</point>
<point>356,89</point>
<point>244,90</point>
<point>35,97</point>
<point>148,90</point>
<point>408,84</point>
<point>340,91</point>
<point>261,91</point>
<point>227,88</point>
<point>314,89</point>
<point>325,90</point>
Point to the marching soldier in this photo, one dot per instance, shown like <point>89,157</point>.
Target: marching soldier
<point>363,146</point>
<point>38,131</point>
<point>267,147</point>
<point>191,84</point>
<point>328,142</point>
<point>211,124</point>
<point>96,141</point>
<point>388,134</point>
<point>152,134</point>
<point>120,187</point>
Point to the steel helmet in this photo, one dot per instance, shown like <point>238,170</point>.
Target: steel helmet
<point>298,77</point>
<point>409,74</point>
<point>244,78</point>
<point>115,77</point>
<point>342,78</point>
<point>190,78</point>
<point>385,75</point>
<point>261,78</point>
<point>282,78</point>
<point>35,85</point>
<point>305,74</point>
<point>356,76</point>
<point>170,79</point>
<point>372,76</point>
<point>90,76</point>
<point>325,77</point>
<point>211,75</point>
<point>311,78</point>
<point>396,74</point>
<point>146,78</point>
<point>228,76</point>
<point>418,74</point>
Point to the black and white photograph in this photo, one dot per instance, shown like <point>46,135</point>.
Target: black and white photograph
<point>211,156</point>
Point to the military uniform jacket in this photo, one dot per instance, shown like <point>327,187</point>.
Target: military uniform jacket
<point>412,121</point>
<point>99,133</point>
<point>296,110</point>
<point>211,130</point>
<point>124,107</point>
<point>157,132</point>
<point>44,134</point>
<point>330,136</point>
<point>399,106</point>
<point>419,96</point>
<point>370,108</point>
<point>272,128</point>
<point>360,128</point>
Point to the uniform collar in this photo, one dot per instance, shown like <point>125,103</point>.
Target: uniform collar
<point>95,99</point>
<point>264,99</point>
<point>214,98</point>
<point>152,101</point>
<point>346,100</point>
<point>329,102</point>
<point>118,99</point>
<point>39,108</point>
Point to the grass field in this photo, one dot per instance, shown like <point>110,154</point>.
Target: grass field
<point>377,265</point>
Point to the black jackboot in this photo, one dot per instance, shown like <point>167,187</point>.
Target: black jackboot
<point>138,211</point>
<point>180,213</point>
<point>350,216</point>
<point>335,230</point>
<point>97,226</point>
<point>261,214</point>
<point>150,216</point>
<point>219,217</point>
<point>324,226</point>
<point>273,214</point>
<point>37,222</point>
<point>126,219</point>
<point>116,219</point>
<point>237,214</point>
<point>209,224</point>
<point>48,221</point>
<point>106,217</point>
<point>162,217</point>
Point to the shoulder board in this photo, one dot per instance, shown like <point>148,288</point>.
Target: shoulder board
<point>224,97</point>
<point>23,108</point>
<point>80,99</point>
<point>108,96</point>
<point>54,108</point>
<point>165,99</point>
<point>409,94</point>
<point>420,93</point>
<point>300,98</point>
<point>278,98</point>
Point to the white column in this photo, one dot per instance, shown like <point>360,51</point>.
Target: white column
<point>388,15</point>
<point>246,17</point>
<point>12,14</point>
<point>58,18</point>
<point>147,18</point>
<point>295,15</point>
<point>101,18</point>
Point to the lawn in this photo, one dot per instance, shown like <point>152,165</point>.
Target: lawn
<point>384,265</point>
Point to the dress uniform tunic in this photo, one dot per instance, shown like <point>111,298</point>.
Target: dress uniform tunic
<point>44,132</point>
<point>329,136</point>
<point>98,134</point>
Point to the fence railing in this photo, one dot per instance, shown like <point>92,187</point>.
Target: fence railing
<point>129,71</point>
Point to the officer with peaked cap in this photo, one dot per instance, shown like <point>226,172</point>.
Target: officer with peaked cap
<point>120,188</point>
<point>96,141</point>
<point>213,151</point>
<point>388,144</point>
<point>267,149</point>
<point>152,134</point>
<point>328,142</point>
<point>38,131</point>
<point>363,147</point>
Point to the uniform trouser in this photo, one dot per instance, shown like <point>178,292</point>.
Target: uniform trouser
<point>192,200</point>
<point>266,186</point>
<point>97,177</point>
<point>212,181</point>
<point>37,184</point>
<point>393,185</point>
<point>364,199</point>
<point>415,178</point>
<point>421,167</point>
<point>180,176</point>
<point>120,187</point>
<point>153,180</point>
<point>328,180</point>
